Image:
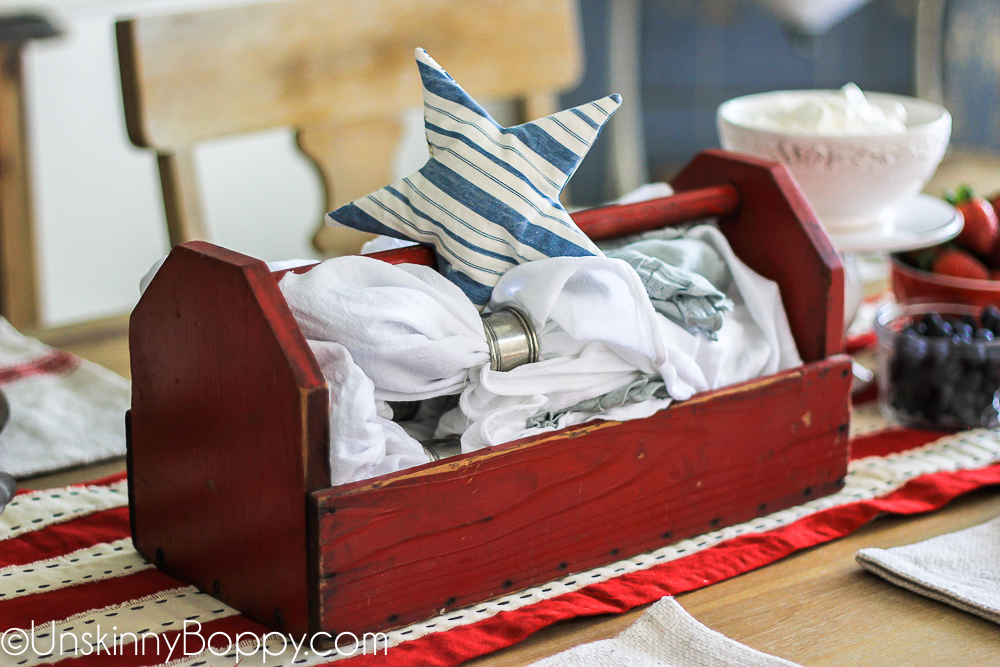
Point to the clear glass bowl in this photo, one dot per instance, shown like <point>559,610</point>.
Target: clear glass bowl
<point>944,382</point>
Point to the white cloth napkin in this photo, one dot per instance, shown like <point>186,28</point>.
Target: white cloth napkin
<point>665,636</point>
<point>412,331</point>
<point>599,332</point>
<point>961,568</point>
<point>364,441</point>
<point>415,335</point>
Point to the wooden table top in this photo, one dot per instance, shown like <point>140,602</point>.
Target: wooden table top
<point>816,607</point>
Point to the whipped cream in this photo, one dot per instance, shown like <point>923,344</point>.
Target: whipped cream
<point>844,113</point>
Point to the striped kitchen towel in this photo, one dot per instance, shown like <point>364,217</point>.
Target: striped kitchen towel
<point>488,197</point>
<point>64,411</point>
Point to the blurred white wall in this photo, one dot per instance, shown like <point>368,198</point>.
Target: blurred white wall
<point>98,216</point>
<point>98,209</point>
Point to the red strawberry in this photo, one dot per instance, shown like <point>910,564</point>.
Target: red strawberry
<point>960,264</point>
<point>982,228</point>
<point>994,275</point>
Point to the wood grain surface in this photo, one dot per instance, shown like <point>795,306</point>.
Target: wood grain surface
<point>340,72</point>
<point>181,195</point>
<point>229,433</point>
<point>819,608</point>
<point>401,548</point>
<point>608,222</point>
<point>18,271</point>
<point>326,63</point>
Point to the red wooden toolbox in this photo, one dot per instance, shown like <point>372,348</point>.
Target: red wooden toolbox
<point>230,484</point>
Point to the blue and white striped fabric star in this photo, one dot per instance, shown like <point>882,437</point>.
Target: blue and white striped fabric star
<point>488,197</point>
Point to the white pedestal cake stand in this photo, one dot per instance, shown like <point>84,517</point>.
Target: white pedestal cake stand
<point>921,222</point>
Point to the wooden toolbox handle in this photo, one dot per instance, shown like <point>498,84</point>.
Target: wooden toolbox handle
<point>767,221</point>
<point>609,222</point>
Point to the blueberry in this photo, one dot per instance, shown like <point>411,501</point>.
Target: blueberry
<point>989,412</point>
<point>943,371</point>
<point>910,353</point>
<point>962,328</point>
<point>911,395</point>
<point>937,402</point>
<point>938,353</point>
<point>985,396</point>
<point>937,326</point>
<point>950,371</point>
<point>990,317</point>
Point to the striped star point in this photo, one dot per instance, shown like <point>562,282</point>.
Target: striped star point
<point>488,197</point>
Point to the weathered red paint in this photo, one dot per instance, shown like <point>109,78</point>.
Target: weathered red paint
<point>445,535</point>
<point>228,441</point>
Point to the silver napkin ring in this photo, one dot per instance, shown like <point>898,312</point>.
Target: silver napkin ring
<point>511,339</point>
<point>442,448</point>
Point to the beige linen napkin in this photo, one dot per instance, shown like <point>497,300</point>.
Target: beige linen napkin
<point>961,568</point>
<point>665,636</point>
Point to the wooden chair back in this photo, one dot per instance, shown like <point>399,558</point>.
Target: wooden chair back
<point>340,72</point>
<point>19,301</point>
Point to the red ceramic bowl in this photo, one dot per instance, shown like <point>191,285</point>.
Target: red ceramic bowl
<point>910,284</point>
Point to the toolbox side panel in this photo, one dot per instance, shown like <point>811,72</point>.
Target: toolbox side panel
<point>228,434</point>
<point>401,548</point>
<point>776,233</point>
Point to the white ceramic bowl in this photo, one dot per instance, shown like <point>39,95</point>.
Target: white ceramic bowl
<point>853,182</point>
